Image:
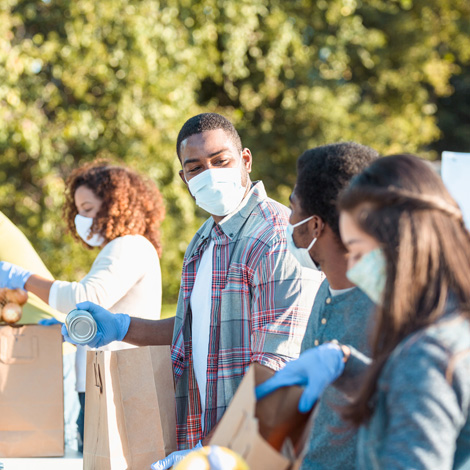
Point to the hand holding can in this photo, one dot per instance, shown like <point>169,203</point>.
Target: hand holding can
<point>108,327</point>
<point>81,326</point>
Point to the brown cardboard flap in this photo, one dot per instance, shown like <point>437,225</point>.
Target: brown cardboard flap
<point>278,415</point>
<point>255,449</point>
<point>271,434</point>
<point>242,405</point>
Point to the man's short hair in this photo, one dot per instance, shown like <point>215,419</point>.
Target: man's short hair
<point>323,172</point>
<point>208,122</point>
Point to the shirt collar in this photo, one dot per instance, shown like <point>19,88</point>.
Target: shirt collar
<point>233,223</point>
<point>353,294</point>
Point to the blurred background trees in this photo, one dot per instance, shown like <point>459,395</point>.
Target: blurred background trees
<point>118,78</point>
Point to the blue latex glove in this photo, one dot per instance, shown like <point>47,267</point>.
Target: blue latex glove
<point>13,276</point>
<point>110,326</point>
<point>49,321</point>
<point>315,369</point>
<point>173,458</point>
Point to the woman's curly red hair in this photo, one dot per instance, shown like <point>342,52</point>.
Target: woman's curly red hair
<point>131,203</point>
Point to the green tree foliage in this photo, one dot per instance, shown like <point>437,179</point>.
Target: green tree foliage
<point>453,116</point>
<point>118,78</point>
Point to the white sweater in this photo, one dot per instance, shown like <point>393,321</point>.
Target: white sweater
<point>125,278</point>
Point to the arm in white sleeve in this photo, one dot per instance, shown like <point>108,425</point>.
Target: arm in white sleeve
<point>118,267</point>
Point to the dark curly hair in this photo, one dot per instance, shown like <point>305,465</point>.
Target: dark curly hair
<point>208,122</point>
<point>131,203</point>
<point>323,172</point>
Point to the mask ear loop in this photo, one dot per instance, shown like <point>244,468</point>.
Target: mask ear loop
<point>315,239</point>
<point>298,224</point>
<point>311,244</point>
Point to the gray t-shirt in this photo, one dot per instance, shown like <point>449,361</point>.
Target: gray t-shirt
<point>344,317</point>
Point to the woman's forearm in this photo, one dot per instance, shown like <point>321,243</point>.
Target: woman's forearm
<point>39,286</point>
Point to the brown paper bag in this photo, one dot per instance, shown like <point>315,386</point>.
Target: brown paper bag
<point>130,419</point>
<point>31,391</point>
<point>271,434</point>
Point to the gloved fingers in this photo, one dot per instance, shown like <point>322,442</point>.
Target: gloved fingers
<point>277,381</point>
<point>49,321</point>
<point>158,465</point>
<point>309,397</point>
<point>65,334</point>
<point>174,458</point>
<point>97,341</point>
<point>6,266</point>
<point>163,464</point>
<point>13,276</point>
<point>265,388</point>
<point>90,307</point>
<point>178,457</point>
<point>331,363</point>
<point>337,369</point>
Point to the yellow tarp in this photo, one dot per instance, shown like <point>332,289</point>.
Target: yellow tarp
<point>16,248</point>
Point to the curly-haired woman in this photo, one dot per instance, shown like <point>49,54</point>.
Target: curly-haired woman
<point>119,211</point>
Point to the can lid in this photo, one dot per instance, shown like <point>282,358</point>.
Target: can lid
<point>82,329</point>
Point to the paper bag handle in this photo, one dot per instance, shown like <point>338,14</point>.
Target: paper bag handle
<point>18,349</point>
<point>98,380</point>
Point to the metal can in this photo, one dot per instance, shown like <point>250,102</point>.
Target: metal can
<point>81,326</point>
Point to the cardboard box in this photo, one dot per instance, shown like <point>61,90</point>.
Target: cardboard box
<point>31,391</point>
<point>270,434</point>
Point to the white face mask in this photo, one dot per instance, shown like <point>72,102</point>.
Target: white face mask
<point>83,226</point>
<point>301,254</point>
<point>218,191</point>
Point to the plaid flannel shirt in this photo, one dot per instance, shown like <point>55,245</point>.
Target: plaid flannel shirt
<point>261,301</point>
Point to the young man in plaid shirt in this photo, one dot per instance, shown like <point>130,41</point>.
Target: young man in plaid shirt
<point>243,298</point>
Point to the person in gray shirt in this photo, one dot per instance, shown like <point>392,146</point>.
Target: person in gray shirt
<point>341,311</point>
<point>409,250</point>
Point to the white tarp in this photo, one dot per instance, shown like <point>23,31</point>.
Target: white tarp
<point>455,171</point>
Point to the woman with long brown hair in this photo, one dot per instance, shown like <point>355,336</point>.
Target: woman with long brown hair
<point>410,252</point>
<point>119,211</point>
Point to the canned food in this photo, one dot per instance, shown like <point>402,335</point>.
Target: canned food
<point>81,326</point>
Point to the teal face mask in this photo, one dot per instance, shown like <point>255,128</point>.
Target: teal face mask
<point>369,275</point>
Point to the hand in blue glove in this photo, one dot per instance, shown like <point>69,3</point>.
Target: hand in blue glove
<point>173,458</point>
<point>49,321</point>
<point>315,369</point>
<point>110,326</point>
<point>13,276</point>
